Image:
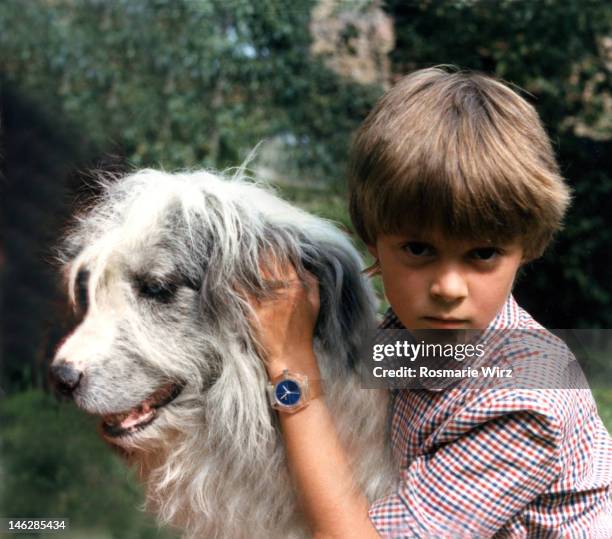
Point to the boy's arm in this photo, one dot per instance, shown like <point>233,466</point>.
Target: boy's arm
<point>333,503</point>
<point>492,460</point>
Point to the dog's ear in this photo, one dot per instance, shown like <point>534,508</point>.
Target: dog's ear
<point>348,303</point>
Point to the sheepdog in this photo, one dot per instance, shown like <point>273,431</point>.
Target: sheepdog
<point>166,356</point>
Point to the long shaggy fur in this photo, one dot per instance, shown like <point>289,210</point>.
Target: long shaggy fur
<point>213,461</point>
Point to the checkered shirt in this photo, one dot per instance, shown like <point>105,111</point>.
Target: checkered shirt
<point>497,463</point>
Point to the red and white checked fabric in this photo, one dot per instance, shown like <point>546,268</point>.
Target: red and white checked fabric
<point>498,462</point>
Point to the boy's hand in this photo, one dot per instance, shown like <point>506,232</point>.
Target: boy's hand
<point>284,324</point>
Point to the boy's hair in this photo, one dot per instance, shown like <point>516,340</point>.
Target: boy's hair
<point>461,152</point>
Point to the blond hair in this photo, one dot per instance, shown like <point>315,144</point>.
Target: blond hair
<point>461,152</point>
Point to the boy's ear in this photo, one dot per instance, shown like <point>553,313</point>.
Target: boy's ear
<point>373,250</point>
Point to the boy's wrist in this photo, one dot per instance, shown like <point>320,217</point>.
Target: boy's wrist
<point>303,363</point>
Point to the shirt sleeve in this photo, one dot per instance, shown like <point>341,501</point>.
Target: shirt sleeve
<point>473,481</point>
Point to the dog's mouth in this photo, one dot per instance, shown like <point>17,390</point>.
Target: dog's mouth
<point>139,417</point>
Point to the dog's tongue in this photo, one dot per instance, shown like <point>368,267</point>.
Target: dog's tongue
<point>142,413</point>
<point>137,415</point>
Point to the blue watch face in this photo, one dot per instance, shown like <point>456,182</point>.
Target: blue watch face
<point>287,392</point>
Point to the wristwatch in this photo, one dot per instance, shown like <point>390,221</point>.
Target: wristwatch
<point>289,391</point>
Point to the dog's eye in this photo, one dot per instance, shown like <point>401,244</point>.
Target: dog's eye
<point>162,292</point>
<point>81,282</point>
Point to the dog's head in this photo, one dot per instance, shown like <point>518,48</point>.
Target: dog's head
<point>160,266</point>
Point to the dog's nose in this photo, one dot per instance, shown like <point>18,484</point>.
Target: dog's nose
<point>65,376</point>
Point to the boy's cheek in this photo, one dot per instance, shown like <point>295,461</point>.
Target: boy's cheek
<point>489,296</point>
<point>405,295</point>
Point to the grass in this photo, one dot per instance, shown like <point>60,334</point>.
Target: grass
<point>54,464</point>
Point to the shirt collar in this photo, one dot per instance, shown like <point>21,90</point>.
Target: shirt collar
<point>508,316</point>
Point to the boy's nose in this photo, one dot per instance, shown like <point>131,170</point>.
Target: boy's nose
<point>449,286</point>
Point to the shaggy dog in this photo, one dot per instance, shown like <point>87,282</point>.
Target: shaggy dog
<point>166,356</point>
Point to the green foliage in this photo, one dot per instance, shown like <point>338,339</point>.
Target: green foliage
<point>549,47</point>
<point>184,83</point>
<point>603,397</point>
<point>54,464</point>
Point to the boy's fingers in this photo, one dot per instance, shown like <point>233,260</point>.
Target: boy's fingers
<point>311,284</point>
<point>282,279</point>
<point>283,275</point>
<point>273,270</point>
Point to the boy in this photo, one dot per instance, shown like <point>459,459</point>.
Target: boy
<point>453,186</point>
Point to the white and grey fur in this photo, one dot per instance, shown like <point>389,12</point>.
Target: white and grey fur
<point>213,461</point>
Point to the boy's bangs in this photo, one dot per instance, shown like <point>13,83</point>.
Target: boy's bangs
<point>458,207</point>
<point>459,153</point>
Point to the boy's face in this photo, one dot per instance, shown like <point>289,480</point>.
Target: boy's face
<point>433,282</point>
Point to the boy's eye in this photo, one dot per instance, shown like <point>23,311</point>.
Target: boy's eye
<point>417,248</point>
<point>484,253</point>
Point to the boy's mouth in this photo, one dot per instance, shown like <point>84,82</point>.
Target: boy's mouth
<point>446,322</point>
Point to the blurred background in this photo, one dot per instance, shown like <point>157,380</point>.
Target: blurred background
<point>119,84</point>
